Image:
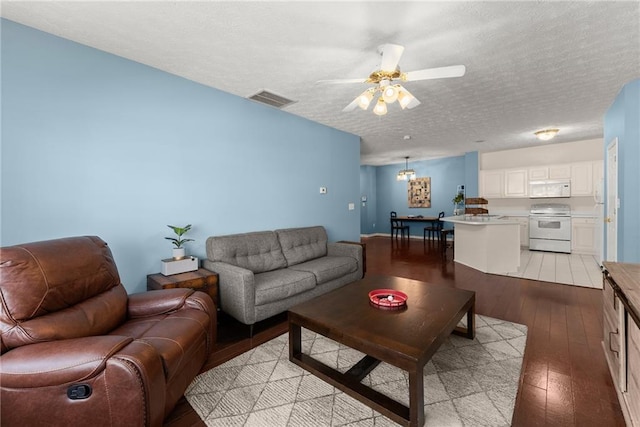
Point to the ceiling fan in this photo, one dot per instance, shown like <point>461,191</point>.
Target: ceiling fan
<point>386,78</point>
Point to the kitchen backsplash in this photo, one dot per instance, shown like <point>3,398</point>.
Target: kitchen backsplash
<point>578,204</point>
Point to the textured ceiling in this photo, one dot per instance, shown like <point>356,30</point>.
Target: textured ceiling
<point>530,65</point>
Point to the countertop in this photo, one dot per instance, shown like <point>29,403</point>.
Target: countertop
<point>574,214</point>
<point>627,278</point>
<point>479,220</point>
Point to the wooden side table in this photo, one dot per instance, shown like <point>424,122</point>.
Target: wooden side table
<point>364,253</point>
<point>199,280</point>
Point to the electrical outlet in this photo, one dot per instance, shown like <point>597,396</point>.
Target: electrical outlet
<point>323,190</point>
<point>352,206</point>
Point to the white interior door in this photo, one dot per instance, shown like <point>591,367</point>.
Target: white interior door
<point>613,203</point>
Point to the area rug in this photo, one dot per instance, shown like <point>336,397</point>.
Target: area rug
<point>466,383</point>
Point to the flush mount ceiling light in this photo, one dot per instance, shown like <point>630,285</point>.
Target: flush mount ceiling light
<point>406,173</point>
<point>546,134</point>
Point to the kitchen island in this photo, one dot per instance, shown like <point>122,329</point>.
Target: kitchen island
<point>487,243</point>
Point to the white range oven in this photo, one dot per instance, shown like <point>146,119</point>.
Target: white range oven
<point>550,227</point>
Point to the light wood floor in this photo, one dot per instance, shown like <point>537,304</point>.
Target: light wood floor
<point>565,380</point>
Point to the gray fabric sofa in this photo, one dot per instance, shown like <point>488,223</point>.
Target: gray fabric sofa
<point>264,273</point>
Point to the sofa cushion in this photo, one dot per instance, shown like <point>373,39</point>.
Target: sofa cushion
<point>328,268</point>
<point>302,244</point>
<point>258,252</point>
<point>277,285</point>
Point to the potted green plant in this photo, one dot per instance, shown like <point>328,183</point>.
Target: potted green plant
<point>178,251</point>
<point>457,201</point>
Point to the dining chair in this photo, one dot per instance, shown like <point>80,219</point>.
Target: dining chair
<point>433,229</point>
<point>444,233</point>
<point>398,225</point>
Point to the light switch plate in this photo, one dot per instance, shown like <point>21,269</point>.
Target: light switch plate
<point>323,190</point>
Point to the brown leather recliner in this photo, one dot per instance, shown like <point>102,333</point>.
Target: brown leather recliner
<point>77,350</point>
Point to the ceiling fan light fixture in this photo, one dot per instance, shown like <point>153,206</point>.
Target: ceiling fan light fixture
<point>381,107</point>
<point>404,98</point>
<point>390,94</point>
<point>546,134</point>
<point>364,100</point>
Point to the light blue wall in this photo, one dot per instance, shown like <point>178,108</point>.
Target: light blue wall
<point>96,144</point>
<point>622,120</point>
<point>446,174</point>
<point>471,166</point>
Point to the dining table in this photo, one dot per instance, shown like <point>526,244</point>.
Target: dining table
<point>415,218</point>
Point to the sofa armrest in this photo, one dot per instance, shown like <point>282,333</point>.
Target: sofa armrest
<point>344,249</point>
<point>237,290</point>
<point>153,303</point>
<point>348,249</point>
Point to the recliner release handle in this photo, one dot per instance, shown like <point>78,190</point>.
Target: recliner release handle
<point>79,391</point>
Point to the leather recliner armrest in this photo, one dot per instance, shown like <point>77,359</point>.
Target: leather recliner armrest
<point>58,362</point>
<point>153,303</point>
<point>116,376</point>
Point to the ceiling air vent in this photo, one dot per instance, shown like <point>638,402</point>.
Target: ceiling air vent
<point>272,99</point>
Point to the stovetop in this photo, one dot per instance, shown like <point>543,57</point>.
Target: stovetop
<point>550,209</point>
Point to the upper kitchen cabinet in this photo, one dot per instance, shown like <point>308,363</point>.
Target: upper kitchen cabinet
<point>516,183</point>
<point>503,183</point>
<point>539,173</point>
<point>582,179</point>
<point>560,171</point>
<point>491,183</point>
<point>550,172</point>
<point>598,174</point>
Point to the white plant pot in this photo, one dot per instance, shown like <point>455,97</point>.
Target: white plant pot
<point>178,253</point>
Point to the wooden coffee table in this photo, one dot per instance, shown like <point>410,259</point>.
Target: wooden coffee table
<point>406,338</point>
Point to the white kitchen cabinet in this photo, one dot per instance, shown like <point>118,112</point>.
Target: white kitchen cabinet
<point>516,183</point>
<point>613,312</point>
<point>560,171</point>
<point>550,172</point>
<point>582,179</point>
<point>538,173</point>
<point>598,170</point>
<point>633,375</point>
<point>491,183</point>
<point>583,231</point>
<point>621,339</point>
<point>598,180</point>
<point>506,183</point>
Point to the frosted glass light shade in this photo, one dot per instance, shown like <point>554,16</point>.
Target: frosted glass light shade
<point>390,94</point>
<point>404,98</point>
<point>381,107</point>
<point>365,99</point>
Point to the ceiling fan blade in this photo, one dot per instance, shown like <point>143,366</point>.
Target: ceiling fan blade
<point>341,81</point>
<point>351,106</point>
<point>391,54</point>
<point>436,73</point>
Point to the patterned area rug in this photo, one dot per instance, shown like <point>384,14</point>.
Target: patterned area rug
<point>466,383</point>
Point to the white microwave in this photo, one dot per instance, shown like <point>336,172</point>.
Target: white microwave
<point>549,188</point>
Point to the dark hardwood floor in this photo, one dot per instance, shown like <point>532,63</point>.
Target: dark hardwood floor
<point>564,381</point>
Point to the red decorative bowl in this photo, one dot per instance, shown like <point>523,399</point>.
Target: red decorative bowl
<point>389,298</point>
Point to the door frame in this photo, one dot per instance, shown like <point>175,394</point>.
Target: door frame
<point>612,202</point>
